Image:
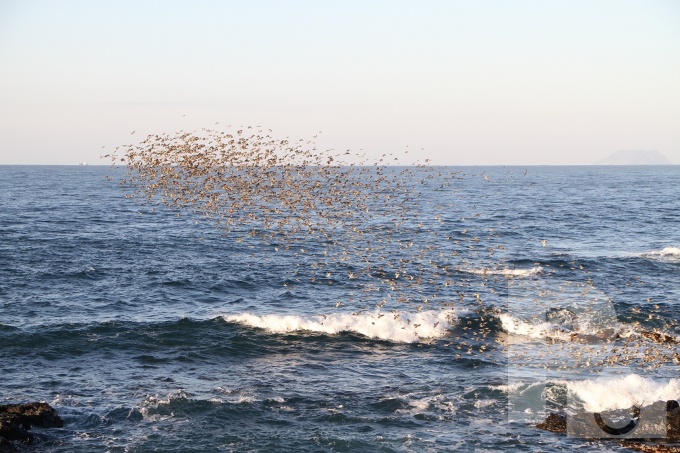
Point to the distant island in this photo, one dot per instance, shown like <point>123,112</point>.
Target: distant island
<point>635,157</point>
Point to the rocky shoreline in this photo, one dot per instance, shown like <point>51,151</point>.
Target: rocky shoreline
<point>557,423</point>
<point>16,421</point>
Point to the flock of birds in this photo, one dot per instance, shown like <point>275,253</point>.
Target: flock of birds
<point>343,217</point>
<point>330,210</point>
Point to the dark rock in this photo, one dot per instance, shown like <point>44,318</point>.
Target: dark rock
<point>647,448</point>
<point>6,446</point>
<point>556,423</point>
<point>673,420</point>
<point>659,337</point>
<point>36,414</point>
<point>16,421</point>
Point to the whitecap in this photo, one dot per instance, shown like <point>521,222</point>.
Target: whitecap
<point>402,327</point>
<point>508,273</point>
<point>598,395</point>
<point>666,254</point>
<point>565,328</point>
<point>539,330</point>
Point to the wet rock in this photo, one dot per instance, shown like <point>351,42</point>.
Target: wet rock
<point>556,423</point>
<point>6,446</point>
<point>16,421</point>
<point>647,448</point>
<point>658,337</point>
<point>673,419</point>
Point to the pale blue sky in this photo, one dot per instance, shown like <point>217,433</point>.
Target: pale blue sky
<point>471,82</point>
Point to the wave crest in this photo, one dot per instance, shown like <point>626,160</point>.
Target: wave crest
<point>401,327</point>
<point>666,254</point>
<point>563,325</point>
<point>541,330</point>
<point>509,273</point>
<point>605,394</point>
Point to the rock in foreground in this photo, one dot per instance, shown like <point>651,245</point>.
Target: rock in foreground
<point>558,423</point>
<point>16,421</point>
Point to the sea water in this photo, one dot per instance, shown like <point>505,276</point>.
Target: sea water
<point>148,331</point>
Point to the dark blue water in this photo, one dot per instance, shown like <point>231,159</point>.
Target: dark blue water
<point>151,332</point>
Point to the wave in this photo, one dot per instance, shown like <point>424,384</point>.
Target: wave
<point>580,330</point>
<point>401,327</point>
<point>564,325</point>
<point>539,330</point>
<point>667,254</point>
<point>598,395</point>
<point>509,273</point>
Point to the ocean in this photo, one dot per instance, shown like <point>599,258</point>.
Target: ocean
<point>149,331</point>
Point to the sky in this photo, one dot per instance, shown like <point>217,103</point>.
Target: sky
<point>483,82</point>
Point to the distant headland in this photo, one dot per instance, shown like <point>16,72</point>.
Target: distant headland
<point>635,157</point>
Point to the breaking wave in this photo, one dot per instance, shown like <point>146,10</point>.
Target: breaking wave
<point>539,330</point>
<point>605,394</point>
<point>509,273</point>
<point>402,327</point>
<point>600,394</point>
<point>666,254</point>
<point>563,325</point>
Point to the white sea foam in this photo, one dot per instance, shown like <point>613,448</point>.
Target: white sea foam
<point>666,254</point>
<point>236,395</point>
<point>400,327</point>
<point>565,330</point>
<point>419,404</point>
<point>482,403</point>
<point>539,330</point>
<point>507,388</point>
<point>149,406</point>
<point>623,392</point>
<point>508,273</point>
<point>157,400</point>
